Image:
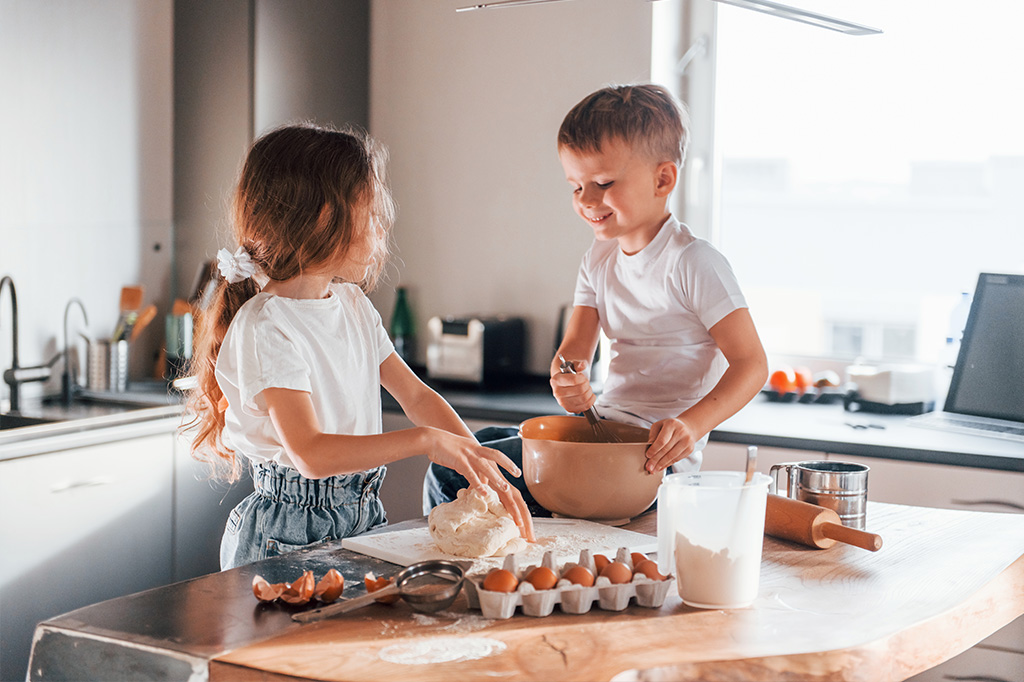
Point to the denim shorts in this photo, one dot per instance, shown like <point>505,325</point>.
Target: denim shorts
<point>287,512</point>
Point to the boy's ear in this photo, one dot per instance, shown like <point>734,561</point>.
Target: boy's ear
<point>665,177</point>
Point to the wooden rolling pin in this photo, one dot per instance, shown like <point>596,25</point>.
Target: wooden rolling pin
<point>812,525</point>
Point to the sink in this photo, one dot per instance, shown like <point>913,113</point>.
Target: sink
<point>14,421</point>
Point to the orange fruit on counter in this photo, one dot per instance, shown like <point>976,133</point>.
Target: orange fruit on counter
<point>783,380</point>
<point>804,380</point>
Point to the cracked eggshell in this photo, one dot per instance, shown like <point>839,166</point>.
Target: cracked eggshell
<point>300,591</point>
<point>330,586</point>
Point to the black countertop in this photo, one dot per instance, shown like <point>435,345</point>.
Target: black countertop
<point>171,632</point>
<point>821,427</point>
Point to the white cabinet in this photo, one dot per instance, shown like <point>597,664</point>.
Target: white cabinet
<point>733,457</point>
<point>201,508</point>
<point>80,526</point>
<point>941,486</point>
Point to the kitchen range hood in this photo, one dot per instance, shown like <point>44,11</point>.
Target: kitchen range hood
<point>766,6</point>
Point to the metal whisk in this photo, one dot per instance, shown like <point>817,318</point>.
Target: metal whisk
<point>601,430</point>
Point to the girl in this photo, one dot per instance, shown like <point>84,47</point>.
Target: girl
<point>292,355</point>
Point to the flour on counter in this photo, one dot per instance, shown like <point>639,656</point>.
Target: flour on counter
<point>417,651</point>
<point>454,622</point>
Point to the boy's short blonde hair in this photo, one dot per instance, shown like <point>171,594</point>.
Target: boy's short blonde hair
<point>646,117</point>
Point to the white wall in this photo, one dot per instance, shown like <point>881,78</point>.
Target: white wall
<point>469,104</point>
<point>85,162</point>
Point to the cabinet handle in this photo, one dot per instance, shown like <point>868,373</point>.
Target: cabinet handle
<point>90,483</point>
<point>997,503</point>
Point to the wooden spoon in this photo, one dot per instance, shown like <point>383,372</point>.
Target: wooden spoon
<point>146,316</point>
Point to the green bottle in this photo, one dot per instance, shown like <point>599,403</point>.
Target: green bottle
<point>403,327</point>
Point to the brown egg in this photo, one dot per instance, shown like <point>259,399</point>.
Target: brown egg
<point>500,580</point>
<point>374,583</point>
<point>330,586</point>
<point>600,561</point>
<point>542,578</point>
<point>617,572</point>
<point>579,575</point>
<point>637,558</point>
<point>648,568</point>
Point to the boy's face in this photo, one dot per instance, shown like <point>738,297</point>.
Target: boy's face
<point>621,194</point>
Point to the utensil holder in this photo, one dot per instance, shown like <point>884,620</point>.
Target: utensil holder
<point>107,363</point>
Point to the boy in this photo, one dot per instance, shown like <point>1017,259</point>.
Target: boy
<point>685,355</point>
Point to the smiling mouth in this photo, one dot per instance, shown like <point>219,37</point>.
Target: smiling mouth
<point>598,220</point>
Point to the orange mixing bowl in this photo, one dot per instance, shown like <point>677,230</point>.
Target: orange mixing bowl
<point>571,475</point>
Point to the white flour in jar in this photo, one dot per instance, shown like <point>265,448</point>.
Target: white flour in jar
<point>716,580</point>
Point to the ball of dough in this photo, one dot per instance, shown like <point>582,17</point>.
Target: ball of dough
<point>475,525</point>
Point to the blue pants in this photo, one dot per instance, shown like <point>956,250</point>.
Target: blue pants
<point>287,512</point>
<point>442,484</point>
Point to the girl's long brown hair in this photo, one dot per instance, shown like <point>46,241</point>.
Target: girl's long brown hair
<point>306,193</point>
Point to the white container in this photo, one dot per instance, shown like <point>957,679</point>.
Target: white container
<point>894,384</point>
<point>710,534</point>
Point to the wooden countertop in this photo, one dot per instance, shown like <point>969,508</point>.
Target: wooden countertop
<point>943,581</point>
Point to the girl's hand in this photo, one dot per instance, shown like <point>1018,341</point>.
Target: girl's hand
<point>572,391</point>
<point>670,441</point>
<point>479,465</point>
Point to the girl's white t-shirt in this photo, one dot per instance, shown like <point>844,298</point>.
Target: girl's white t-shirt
<point>331,348</point>
<point>656,307</point>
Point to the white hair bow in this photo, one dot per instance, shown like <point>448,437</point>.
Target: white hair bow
<point>237,266</point>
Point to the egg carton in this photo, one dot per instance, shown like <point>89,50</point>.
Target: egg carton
<point>575,599</point>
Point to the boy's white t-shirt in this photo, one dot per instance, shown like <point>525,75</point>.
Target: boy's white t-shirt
<point>331,348</point>
<point>656,307</point>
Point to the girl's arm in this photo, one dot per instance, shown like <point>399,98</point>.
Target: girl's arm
<point>456,447</point>
<point>317,454</point>
<point>572,391</point>
<point>736,336</point>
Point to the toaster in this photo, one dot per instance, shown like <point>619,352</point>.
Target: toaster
<point>475,350</point>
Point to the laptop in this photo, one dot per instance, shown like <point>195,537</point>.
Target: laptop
<point>986,392</point>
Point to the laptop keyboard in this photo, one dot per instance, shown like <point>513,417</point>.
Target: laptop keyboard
<point>952,422</point>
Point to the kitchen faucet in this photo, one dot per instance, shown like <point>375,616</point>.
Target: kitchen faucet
<point>16,376</point>
<point>67,388</point>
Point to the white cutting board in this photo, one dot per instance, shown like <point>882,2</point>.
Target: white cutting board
<point>564,537</point>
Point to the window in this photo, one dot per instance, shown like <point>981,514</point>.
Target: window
<point>863,182</point>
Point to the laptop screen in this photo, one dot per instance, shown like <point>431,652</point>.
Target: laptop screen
<point>988,379</point>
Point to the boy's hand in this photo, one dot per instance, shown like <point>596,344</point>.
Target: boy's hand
<point>479,465</point>
<point>572,391</point>
<point>670,441</point>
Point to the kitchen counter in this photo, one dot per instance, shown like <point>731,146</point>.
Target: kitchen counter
<point>148,407</point>
<point>825,428</point>
<point>943,581</point>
